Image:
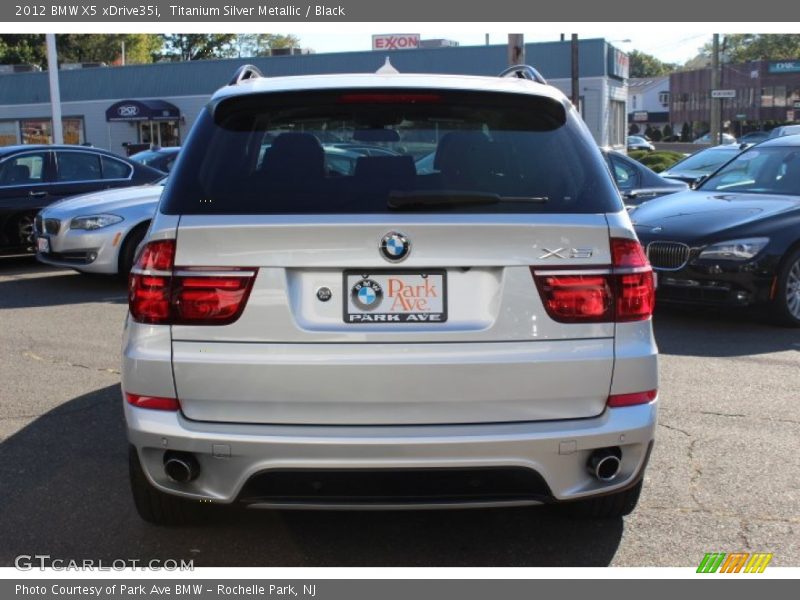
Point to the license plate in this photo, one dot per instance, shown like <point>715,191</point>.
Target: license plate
<point>43,245</point>
<point>395,296</point>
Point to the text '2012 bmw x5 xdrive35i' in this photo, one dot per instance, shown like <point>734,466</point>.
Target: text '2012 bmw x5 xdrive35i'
<point>474,332</point>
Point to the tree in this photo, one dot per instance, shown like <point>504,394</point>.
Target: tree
<point>646,65</point>
<point>76,48</point>
<point>198,46</point>
<point>260,44</point>
<point>743,47</point>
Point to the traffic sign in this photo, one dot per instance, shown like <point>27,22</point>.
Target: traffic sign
<point>723,93</point>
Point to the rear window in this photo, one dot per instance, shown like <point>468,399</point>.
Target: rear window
<point>375,151</point>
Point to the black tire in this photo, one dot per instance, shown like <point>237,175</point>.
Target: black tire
<point>782,307</point>
<point>154,506</point>
<point>611,506</point>
<point>128,251</point>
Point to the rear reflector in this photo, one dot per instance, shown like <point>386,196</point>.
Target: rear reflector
<point>617,400</point>
<point>161,294</point>
<point>152,402</point>
<point>624,293</point>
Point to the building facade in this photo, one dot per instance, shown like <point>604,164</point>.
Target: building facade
<point>648,102</point>
<point>766,93</point>
<point>114,107</point>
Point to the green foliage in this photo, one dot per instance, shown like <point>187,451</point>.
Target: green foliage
<point>686,133</point>
<point>76,48</point>
<point>198,46</point>
<point>260,44</point>
<point>655,135</point>
<point>633,129</point>
<point>743,47</point>
<point>657,161</point>
<point>646,65</point>
<point>668,130</point>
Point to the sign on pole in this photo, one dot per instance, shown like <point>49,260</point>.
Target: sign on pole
<point>723,93</point>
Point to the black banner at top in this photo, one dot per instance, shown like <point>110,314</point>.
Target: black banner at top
<point>177,11</point>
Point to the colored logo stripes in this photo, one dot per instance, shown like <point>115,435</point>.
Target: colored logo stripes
<point>735,562</point>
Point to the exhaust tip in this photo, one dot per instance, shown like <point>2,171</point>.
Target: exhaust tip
<point>181,467</point>
<point>605,464</point>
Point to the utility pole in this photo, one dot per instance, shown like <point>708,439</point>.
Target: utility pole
<point>55,92</point>
<point>714,119</point>
<point>516,49</point>
<point>576,94</point>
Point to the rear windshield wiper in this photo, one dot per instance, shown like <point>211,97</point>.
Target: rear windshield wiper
<point>434,198</point>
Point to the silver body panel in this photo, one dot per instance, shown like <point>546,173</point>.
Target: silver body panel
<point>136,205</point>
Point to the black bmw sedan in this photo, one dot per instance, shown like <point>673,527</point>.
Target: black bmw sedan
<point>736,238</point>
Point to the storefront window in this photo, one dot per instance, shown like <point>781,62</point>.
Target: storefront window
<point>767,95</point>
<point>159,133</point>
<point>40,131</point>
<point>8,133</point>
<point>616,123</point>
<point>780,96</point>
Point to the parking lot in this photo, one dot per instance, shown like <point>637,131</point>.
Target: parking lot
<point>724,476</point>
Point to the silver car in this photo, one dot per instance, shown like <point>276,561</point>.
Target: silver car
<point>96,233</point>
<point>478,334</point>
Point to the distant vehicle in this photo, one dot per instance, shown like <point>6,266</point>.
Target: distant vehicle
<point>727,138</point>
<point>754,137</point>
<point>784,130</point>
<point>33,176</point>
<point>735,239</point>
<point>636,142</point>
<point>701,164</point>
<point>636,182</point>
<point>158,158</point>
<point>97,233</point>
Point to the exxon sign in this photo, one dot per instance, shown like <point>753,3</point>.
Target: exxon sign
<point>395,41</point>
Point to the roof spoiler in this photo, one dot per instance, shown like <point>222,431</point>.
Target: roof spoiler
<point>524,72</point>
<point>244,73</point>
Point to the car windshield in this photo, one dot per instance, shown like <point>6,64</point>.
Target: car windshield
<point>636,139</point>
<point>706,161</point>
<point>773,170</point>
<point>372,151</point>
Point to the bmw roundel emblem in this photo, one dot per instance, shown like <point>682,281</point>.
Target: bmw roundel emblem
<point>395,247</point>
<point>367,294</point>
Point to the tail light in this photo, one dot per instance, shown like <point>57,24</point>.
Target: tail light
<point>159,293</point>
<point>152,402</point>
<point>617,400</point>
<point>626,292</point>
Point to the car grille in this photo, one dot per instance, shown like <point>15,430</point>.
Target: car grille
<point>668,256</point>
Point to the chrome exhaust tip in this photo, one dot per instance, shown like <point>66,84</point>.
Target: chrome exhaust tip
<point>605,464</point>
<point>181,467</point>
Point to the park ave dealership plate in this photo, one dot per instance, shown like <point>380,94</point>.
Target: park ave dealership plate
<point>395,296</point>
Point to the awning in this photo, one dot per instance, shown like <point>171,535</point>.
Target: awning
<point>142,110</point>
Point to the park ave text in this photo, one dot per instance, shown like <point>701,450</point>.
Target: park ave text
<point>178,589</point>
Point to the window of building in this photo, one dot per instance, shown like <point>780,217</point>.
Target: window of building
<point>780,96</point>
<point>663,98</point>
<point>767,96</point>
<point>8,133</point>
<point>633,101</point>
<point>40,131</point>
<point>616,123</point>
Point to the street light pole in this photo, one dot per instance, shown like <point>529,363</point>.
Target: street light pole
<point>714,119</point>
<point>55,92</point>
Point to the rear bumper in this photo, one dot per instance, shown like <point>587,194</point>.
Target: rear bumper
<point>231,455</point>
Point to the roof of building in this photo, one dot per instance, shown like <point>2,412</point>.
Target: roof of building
<point>642,84</point>
<point>194,78</point>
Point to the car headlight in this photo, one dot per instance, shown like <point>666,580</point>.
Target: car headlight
<point>743,249</point>
<point>94,221</point>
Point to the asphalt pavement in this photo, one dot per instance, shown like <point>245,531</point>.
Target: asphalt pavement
<point>724,475</point>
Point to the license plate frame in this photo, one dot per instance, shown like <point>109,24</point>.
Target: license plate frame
<point>381,276</point>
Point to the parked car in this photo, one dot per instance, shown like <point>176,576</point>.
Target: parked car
<point>727,138</point>
<point>34,176</point>
<point>784,130</point>
<point>636,142</point>
<point>99,232</point>
<point>158,158</point>
<point>389,338</point>
<point>734,240</point>
<point>754,137</point>
<point>695,167</point>
<point>636,182</point>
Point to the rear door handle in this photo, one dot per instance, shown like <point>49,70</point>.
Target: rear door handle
<point>37,194</point>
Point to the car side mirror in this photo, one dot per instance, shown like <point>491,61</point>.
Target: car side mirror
<point>697,182</point>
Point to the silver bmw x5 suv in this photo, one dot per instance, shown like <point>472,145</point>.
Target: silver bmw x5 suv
<point>474,333</point>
